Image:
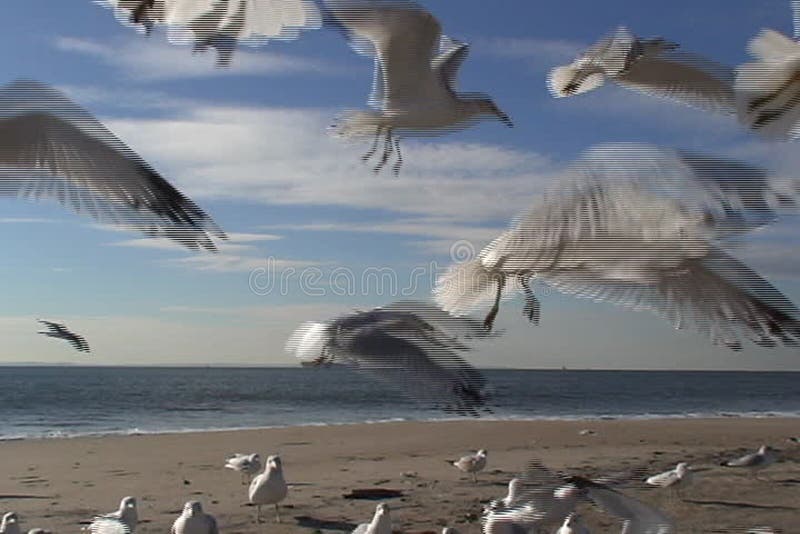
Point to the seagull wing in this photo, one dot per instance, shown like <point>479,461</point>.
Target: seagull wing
<point>683,77</point>
<point>79,342</point>
<point>403,36</point>
<point>456,327</point>
<point>54,327</point>
<point>449,61</point>
<point>108,525</point>
<point>51,148</point>
<point>796,18</point>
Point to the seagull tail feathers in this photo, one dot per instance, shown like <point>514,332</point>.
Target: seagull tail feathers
<point>569,80</point>
<point>464,286</point>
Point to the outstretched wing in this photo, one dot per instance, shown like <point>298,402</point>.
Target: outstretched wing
<point>448,62</point>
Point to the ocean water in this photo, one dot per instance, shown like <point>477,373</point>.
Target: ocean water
<point>71,401</point>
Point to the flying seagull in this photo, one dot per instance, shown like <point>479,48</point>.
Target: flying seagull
<point>411,346</point>
<point>58,330</point>
<point>52,148</point>
<point>643,227</point>
<point>652,66</point>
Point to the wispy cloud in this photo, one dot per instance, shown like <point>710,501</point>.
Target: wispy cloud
<point>26,220</point>
<point>149,60</point>
<point>540,53</point>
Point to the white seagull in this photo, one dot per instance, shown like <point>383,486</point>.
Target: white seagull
<point>756,461</point>
<point>768,89</point>
<point>51,148</point>
<point>414,85</point>
<point>411,346</point>
<point>10,524</point>
<point>642,227</point>
<point>652,66</point>
<point>472,463</point>
<point>59,331</point>
<point>675,479</point>
<point>572,525</point>
<point>269,487</point>
<point>194,521</point>
<point>247,464</point>
<point>515,486</point>
<point>381,522</point>
<point>221,25</point>
<point>122,520</point>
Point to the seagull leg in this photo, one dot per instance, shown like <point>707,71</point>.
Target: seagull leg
<point>388,148</point>
<point>277,513</point>
<point>399,162</point>
<point>258,513</point>
<point>489,321</point>
<point>474,478</point>
<point>532,309</point>
<point>371,152</point>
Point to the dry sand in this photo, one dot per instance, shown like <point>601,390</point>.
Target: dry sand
<point>58,483</point>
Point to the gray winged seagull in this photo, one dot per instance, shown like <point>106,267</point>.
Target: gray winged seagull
<point>60,331</point>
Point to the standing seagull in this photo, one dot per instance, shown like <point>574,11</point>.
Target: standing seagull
<point>472,463</point>
<point>643,227</point>
<point>410,346</point>
<point>247,464</point>
<point>763,457</point>
<point>381,522</point>
<point>123,520</point>
<point>52,148</point>
<point>194,521</point>
<point>10,524</point>
<point>58,330</point>
<point>414,85</point>
<point>269,487</point>
<point>768,89</point>
<point>651,66</point>
<point>674,479</point>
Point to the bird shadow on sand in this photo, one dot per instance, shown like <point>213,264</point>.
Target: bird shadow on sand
<point>734,504</point>
<point>323,524</point>
<point>10,496</point>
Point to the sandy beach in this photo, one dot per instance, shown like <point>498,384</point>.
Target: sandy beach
<point>59,483</point>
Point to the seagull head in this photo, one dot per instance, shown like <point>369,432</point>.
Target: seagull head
<point>483,453</point>
<point>127,502</point>
<point>381,509</point>
<point>274,462</point>
<point>9,518</point>
<point>192,508</point>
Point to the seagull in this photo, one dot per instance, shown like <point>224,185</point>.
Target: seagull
<point>269,487</point>
<point>472,463</point>
<point>756,461</point>
<point>194,521</point>
<point>412,346</point>
<point>652,66</point>
<point>638,517</point>
<point>572,525</point>
<point>642,227</point>
<point>675,479</point>
<point>381,522</point>
<point>51,148</point>
<point>768,88</point>
<point>414,85</point>
<point>515,486</point>
<point>125,518</point>
<point>10,524</point>
<point>58,330</point>
<point>220,25</point>
<point>247,464</point>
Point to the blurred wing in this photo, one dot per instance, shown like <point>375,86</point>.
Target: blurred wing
<point>79,342</point>
<point>57,328</point>
<point>402,36</point>
<point>796,18</point>
<point>456,327</point>
<point>685,78</point>
<point>447,64</point>
<point>51,148</point>
<point>108,525</point>
<point>717,295</point>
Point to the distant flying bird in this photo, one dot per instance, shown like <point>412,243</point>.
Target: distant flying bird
<point>675,479</point>
<point>637,517</point>
<point>572,525</point>
<point>414,85</point>
<point>413,347</point>
<point>381,522</point>
<point>247,464</point>
<point>123,520</point>
<point>221,25</point>
<point>194,521</point>
<point>768,89</point>
<point>269,487</point>
<point>652,66</point>
<point>10,524</point>
<point>52,148</point>
<point>643,227</point>
<point>472,463</point>
<point>763,457</point>
<point>58,330</point>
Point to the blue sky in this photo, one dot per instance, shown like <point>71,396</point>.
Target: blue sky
<point>249,145</point>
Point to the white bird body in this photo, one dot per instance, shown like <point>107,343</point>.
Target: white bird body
<point>512,497</point>
<point>194,521</point>
<point>108,525</point>
<point>381,522</point>
<point>269,487</point>
<point>572,525</point>
<point>126,517</point>
<point>472,463</point>
<point>681,475</point>
<point>247,464</point>
<point>762,458</point>
<point>641,227</point>
<point>10,524</point>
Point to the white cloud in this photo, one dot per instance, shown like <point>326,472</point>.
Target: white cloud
<point>542,53</point>
<point>26,220</point>
<point>146,60</point>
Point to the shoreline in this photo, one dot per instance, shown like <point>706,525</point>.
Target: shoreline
<point>57,483</point>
